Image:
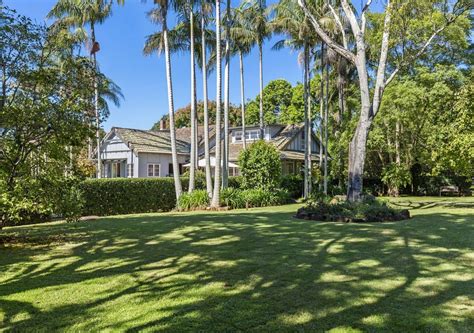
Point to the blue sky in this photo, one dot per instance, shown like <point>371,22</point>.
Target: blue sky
<point>142,79</point>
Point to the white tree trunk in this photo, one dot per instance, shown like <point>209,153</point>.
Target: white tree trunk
<point>326,129</point>
<point>215,203</point>
<point>192,167</point>
<point>307,153</point>
<point>96,106</point>
<point>206,110</point>
<point>261,115</point>
<point>225,159</point>
<point>242,98</point>
<point>174,154</point>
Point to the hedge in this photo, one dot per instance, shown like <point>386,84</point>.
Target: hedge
<point>128,195</point>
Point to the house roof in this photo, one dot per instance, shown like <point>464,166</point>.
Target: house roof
<point>281,139</point>
<point>184,133</point>
<point>150,141</point>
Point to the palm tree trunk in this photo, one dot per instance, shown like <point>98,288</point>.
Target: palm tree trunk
<point>96,105</point>
<point>242,98</point>
<point>306,122</point>
<point>310,123</point>
<point>192,169</point>
<point>217,175</point>
<point>225,160</point>
<point>321,110</point>
<point>261,90</point>
<point>174,154</point>
<point>326,129</point>
<point>206,111</point>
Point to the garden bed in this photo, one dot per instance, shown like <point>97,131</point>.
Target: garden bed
<point>334,210</point>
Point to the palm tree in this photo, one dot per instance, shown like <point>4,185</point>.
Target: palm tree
<point>78,14</point>
<point>225,160</point>
<point>215,203</point>
<point>205,10</point>
<point>257,23</point>
<point>290,20</point>
<point>159,15</point>
<point>243,43</point>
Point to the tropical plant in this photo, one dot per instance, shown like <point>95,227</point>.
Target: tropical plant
<point>256,18</point>
<point>159,15</point>
<point>76,14</point>
<point>215,203</point>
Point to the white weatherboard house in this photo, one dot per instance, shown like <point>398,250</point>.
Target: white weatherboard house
<point>127,152</point>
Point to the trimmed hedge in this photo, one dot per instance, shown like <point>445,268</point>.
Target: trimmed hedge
<point>128,195</point>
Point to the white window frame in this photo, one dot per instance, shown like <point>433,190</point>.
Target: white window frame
<point>155,167</point>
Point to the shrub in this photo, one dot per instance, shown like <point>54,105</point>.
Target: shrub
<point>395,177</point>
<point>260,166</point>
<point>232,198</point>
<point>235,198</point>
<point>236,181</point>
<point>197,199</point>
<point>199,179</point>
<point>293,184</point>
<point>368,210</point>
<point>128,195</point>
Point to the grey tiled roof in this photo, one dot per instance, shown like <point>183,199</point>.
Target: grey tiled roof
<point>150,141</point>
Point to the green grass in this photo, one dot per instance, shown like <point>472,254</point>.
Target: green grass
<point>258,270</point>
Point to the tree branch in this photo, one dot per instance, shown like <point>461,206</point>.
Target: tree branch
<point>342,51</point>
<point>380,78</point>
<point>339,24</point>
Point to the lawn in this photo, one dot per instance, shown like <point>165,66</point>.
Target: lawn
<point>246,270</point>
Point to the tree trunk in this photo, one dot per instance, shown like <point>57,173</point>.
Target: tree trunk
<point>321,112</point>
<point>96,106</point>
<point>357,147</point>
<point>261,122</point>
<point>242,98</point>
<point>192,167</point>
<point>225,159</point>
<point>215,203</point>
<point>174,154</point>
<point>307,156</point>
<point>206,110</point>
<point>326,129</point>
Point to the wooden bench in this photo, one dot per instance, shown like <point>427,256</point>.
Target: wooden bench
<point>451,189</point>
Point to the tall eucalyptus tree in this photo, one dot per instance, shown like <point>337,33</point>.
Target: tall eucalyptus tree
<point>413,48</point>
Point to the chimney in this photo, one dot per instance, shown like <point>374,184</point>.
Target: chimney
<point>162,124</point>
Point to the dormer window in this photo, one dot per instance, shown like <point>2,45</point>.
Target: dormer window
<point>250,135</point>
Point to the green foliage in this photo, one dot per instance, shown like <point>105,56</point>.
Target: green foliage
<point>128,195</point>
<point>236,181</point>
<point>293,184</point>
<point>183,115</point>
<point>260,166</point>
<point>235,198</point>
<point>277,96</point>
<point>324,208</point>
<point>197,199</point>
<point>395,177</point>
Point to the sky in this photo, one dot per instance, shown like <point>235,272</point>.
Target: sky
<point>142,78</point>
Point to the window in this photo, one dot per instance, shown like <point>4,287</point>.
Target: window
<point>303,141</point>
<point>170,169</point>
<point>129,170</point>
<point>250,135</point>
<point>116,169</point>
<point>153,170</point>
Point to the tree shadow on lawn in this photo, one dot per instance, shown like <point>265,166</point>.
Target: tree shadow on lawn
<point>242,271</point>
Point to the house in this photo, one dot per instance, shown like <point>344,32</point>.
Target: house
<point>127,152</point>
